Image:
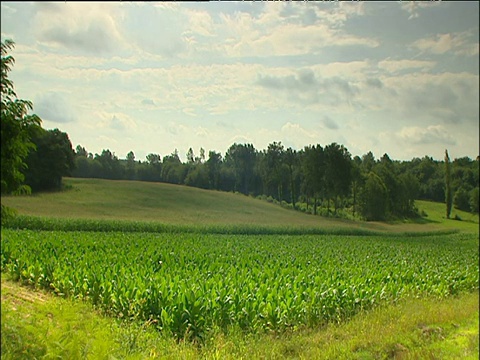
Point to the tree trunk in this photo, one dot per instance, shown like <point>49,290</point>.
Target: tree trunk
<point>292,192</point>
<point>354,197</point>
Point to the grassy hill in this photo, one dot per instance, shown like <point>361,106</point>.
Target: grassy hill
<point>181,205</point>
<point>435,214</point>
<point>159,202</point>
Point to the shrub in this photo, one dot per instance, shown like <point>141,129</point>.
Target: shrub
<point>461,199</point>
<point>7,214</point>
<point>474,194</point>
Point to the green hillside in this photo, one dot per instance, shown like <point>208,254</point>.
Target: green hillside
<point>181,205</point>
<point>434,213</point>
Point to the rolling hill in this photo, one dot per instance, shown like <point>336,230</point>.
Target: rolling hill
<point>181,205</point>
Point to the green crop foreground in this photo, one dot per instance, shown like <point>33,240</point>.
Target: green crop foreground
<point>189,284</point>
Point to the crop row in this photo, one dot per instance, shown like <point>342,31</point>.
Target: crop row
<point>188,284</point>
<point>25,222</point>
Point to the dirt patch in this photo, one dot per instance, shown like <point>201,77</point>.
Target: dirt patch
<point>17,294</point>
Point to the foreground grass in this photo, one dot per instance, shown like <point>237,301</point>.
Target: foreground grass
<point>38,325</point>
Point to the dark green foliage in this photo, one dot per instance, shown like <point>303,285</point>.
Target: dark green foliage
<point>173,171</point>
<point>130,168</point>
<point>213,165</point>
<point>241,159</point>
<point>15,127</point>
<point>461,200</point>
<point>473,202</point>
<point>374,198</point>
<point>313,170</point>
<point>448,185</point>
<point>197,176</point>
<point>52,159</point>
<point>7,215</point>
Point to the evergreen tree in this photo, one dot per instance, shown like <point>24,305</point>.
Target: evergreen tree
<point>448,185</point>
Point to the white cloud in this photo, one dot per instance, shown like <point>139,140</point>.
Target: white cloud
<point>413,7</point>
<point>74,26</point>
<point>297,131</point>
<point>431,134</point>
<point>423,97</point>
<point>460,43</point>
<point>404,64</point>
<point>53,107</point>
<point>329,123</point>
<point>200,22</point>
<point>114,121</point>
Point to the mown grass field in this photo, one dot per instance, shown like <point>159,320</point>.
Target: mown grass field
<point>200,288</point>
<point>183,206</point>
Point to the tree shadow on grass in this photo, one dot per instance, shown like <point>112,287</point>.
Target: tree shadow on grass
<point>423,220</point>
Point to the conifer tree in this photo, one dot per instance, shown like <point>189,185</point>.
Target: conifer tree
<point>448,185</point>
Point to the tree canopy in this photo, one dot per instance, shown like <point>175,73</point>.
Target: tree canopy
<point>32,158</point>
<point>16,126</point>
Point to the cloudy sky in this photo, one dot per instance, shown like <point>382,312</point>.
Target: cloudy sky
<point>400,78</point>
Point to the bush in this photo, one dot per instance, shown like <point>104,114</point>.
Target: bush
<point>373,198</point>
<point>474,194</point>
<point>7,214</point>
<point>461,199</point>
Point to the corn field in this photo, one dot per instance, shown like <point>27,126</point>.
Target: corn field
<point>189,284</point>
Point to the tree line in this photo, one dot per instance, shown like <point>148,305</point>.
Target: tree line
<point>318,179</point>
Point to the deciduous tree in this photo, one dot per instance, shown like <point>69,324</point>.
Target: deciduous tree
<point>15,125</point>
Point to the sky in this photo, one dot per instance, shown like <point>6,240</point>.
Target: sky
<point>400,78</point>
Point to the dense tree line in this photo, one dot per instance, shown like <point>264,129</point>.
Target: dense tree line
<point>320,180</point>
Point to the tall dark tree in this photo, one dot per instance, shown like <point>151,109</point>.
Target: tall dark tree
<point>448,186</point>
<point>152,169</point>
<point>190,156</point>
<point>368,162</point>
<point>374,198</point>
<point>338,172</point>
<point>173,171</point>
<point>81,151</point>
<point>242,158</point>
<point>52,159</point>
<point>15,124</point>
<point>291,162</point>
<point>273,166</point>
<point>313,168</point>
<point>357,181</point>
<point>130,166</point>
<point>213,164</point>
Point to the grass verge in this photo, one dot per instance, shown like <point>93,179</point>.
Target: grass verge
<point>36,324</point>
